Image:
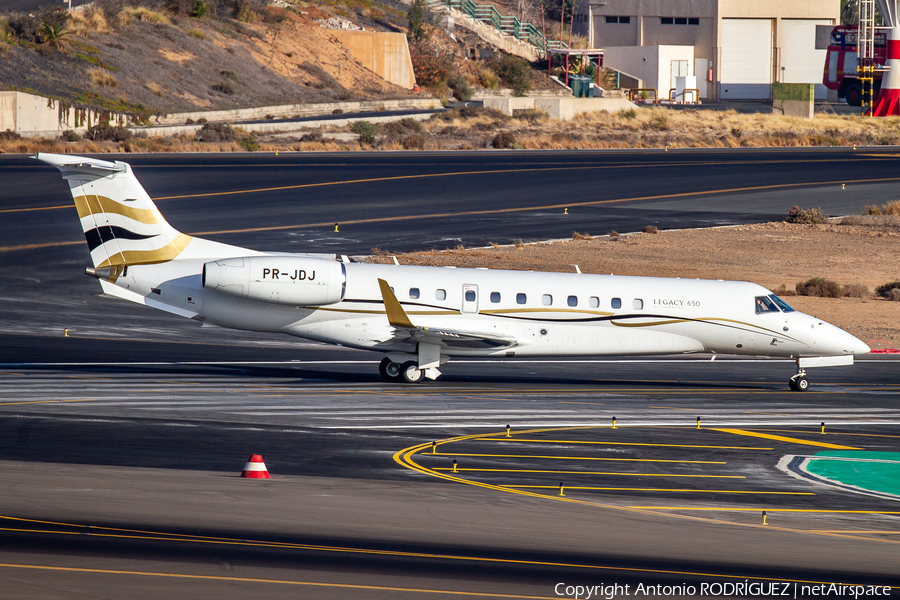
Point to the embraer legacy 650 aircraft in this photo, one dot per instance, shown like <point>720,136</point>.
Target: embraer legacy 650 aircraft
<point>418,317</point>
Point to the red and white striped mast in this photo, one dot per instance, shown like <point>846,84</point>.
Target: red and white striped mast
<point>888,102</point>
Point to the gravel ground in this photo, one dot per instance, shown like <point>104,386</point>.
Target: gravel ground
<point>775,255</point>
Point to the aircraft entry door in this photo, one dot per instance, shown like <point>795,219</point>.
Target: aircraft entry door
<point>470,298</point>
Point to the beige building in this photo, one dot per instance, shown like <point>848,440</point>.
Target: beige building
<point>740,47</point>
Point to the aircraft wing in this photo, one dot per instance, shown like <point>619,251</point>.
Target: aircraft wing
<point>405,332</point>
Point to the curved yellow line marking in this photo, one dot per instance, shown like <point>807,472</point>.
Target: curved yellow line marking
<point>405,458</point>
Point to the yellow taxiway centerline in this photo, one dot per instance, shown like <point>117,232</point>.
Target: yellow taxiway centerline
<point>593,473</point>
<point>653,460</point>
<point>488,439</point>
<point>621,489</point>
<point>781,438</point>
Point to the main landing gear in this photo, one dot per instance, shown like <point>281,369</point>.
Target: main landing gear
<point>408,372</point>
<point>799,382</point>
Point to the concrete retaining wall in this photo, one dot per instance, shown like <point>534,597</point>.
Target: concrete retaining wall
<point>298,110</point>
<point>794,99</point>
<point>275,126</point>
<point>559,108</point>
<point>37,116</point>
<point>386,54</point>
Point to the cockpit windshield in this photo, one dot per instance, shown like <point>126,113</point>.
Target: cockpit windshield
<point>765,304</point>
<point>781,303</point>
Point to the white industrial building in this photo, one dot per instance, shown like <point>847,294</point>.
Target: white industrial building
<point>736,49</point>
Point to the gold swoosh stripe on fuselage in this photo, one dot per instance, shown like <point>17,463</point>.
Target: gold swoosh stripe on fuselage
<point>150,257</point>
<point>703,320</point>
<point>96,205</point>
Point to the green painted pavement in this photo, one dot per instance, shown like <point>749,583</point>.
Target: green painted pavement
<point>862,472</point>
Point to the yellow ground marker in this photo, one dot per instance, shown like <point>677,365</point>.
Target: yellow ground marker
<point>653,460</point>
<point>791,440</point>
<point>492,439</point>
<point>627,489</point>
<point>596,473</point>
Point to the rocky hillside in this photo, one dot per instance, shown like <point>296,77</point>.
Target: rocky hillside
<point>147,60</point>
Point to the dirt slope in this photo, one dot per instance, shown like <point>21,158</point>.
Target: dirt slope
<point>186,64</point>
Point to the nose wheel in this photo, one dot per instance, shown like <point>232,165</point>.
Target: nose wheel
<point>799,382</point>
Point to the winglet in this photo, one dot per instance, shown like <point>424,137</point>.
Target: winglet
<point>395,313</point>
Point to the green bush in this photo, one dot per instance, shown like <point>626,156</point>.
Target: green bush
<point>365,131</point>
<point>417,16</point>
<point>809,216</point>
<point>200,9</point>
<point>628,114</point>
<point>70,136</point>
<point>249,144</point>
<point>460,87</point>
<point>514,72</point>
<point>223,88</point>
<point>820,288</point>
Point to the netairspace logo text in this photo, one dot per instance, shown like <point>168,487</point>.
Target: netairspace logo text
<point>771,589</point>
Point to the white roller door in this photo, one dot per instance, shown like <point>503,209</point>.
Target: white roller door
<point>746,71</point>
<point>800,60</point>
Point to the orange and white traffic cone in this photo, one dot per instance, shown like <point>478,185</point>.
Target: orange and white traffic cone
<point>255,468</point>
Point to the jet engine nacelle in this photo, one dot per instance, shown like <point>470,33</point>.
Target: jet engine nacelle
<point>293,280</point>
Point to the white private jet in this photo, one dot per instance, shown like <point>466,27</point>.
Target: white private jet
<point>418,317</point>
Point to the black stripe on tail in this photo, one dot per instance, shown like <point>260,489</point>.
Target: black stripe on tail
<point>101,235</point>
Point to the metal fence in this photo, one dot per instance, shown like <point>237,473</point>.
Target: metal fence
<point>505,24</point>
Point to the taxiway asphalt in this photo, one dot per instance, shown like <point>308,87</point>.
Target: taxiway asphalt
<point>140,422</point>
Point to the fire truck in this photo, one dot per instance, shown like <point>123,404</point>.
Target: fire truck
<point>840,63</point>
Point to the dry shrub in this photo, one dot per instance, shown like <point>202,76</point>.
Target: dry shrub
<point>101,77</point>
<point>783,291</point>
<point>614,236</point>
<point>504,139</point>
<point>820,287</point>
<point>155,88</point>
<point>89,20</point>
<point>809,216</point>
<point>651,229</point>
<point>141,13</point>
<point>413,142</point>
<point>581,236</point>
<point>855,290</point>
<point>487,79</point>
<point>891,291</point>
<point>402,127</point>
<point>216,132</point>
<point>891,208</point>
<point>104,132</point>
<point>531,115</point>
<point>9,136</point>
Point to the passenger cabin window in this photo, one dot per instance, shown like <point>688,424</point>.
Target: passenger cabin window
<point>781,303</point>
<point>470,295</point>
<point>521,299</point>
<point>616,303</point>
<point>572,300</point>
<point>413,293</point>
<point>638,304</point>
<point>495,297</point>
<point>441,294</point>
<point>764,305</point>
<point>594,302</point>
<point>547,299</point>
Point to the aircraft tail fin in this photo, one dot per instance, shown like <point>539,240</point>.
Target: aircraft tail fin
<point>121,223</point>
